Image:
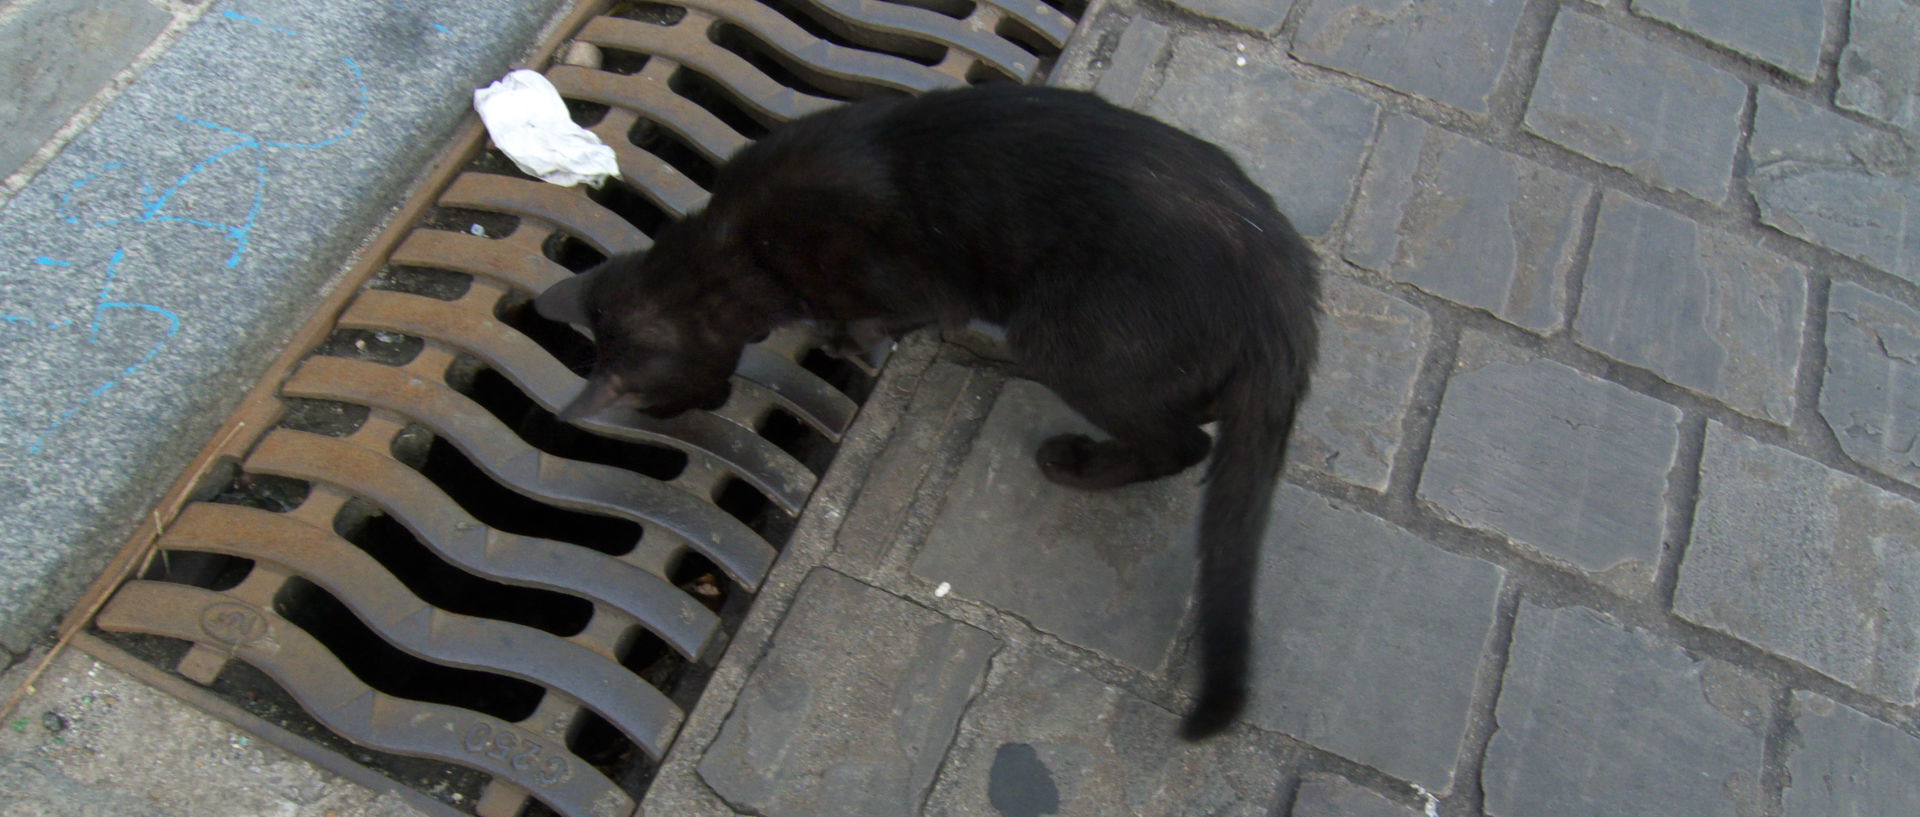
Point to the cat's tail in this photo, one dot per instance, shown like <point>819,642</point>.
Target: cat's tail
<point>1256,417</point>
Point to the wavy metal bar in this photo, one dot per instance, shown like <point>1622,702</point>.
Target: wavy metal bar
<point>1050,23</point>
<point>508,262</point>
<point>762,464</point>
<point>401,618</point>
<point>790,39</point>
<point>438,522</point>
<point>811,399</point>
<point>659,104</point>
<point>754,89</point>
<point>734,547</point>
<point>345,704</point>
<point>936,27</point>
<point>570,209</point>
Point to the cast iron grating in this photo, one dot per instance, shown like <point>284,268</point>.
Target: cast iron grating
<point>406,556</point>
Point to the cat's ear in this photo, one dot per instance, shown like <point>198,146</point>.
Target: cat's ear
<point>566,301</point>
<point>604,389</point>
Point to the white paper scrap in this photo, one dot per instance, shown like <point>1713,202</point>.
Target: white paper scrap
<point>528,121</point>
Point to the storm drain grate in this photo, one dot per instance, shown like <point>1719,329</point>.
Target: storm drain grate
<point>401,550</point>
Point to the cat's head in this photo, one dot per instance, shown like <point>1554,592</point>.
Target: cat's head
<point>657,353</point>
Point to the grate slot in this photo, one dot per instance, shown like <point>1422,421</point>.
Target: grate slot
<point>443,585</point>
<point>347,705</point>
<point>705,132</point>
<point>608,233</point>
<point>433,518</point>
<point>533,473</point>
<point>508,263</point>
<point>398,617</point>
<point>961,39</point>
<point>779,34</point>
<point>760,93</point>
<point>550,385</point>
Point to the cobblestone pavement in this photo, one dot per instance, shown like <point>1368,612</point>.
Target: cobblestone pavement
<point>1607,500</point>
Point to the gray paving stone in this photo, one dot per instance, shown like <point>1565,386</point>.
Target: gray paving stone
<point>1837,183</point>
<point>1367,638</point>
<point>158,262</point>
<point>1664,117</point>
<point>1108,570</point>
<point>1843,762</point>
<point>1599,720</point>
<point>1468,223</point>
<point>1805,562</point>
<point>1701,308</point>
<point>1451,52</point>
<point>1259,15</point>
<point>1880,68</point>
<point>1047,739</point>
<point>57,55</point>
<point>851,709</point>
<point>1558,461</point>
<point>1322,796</point>
<point>1785,34</point>
<point>1303,142</point>
<point>945,403</point>
<point>1871,394</point>
<point>1371,348</point>
<point>1141,44</point>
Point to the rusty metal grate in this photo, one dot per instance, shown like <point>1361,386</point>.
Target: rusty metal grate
<point>396,551</point>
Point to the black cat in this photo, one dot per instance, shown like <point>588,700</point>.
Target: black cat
<point>1137,271</point>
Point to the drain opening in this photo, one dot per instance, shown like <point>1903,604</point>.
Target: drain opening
<point>622,200</point>
<point>791,72</point>
<point>832,29</point>
<point>438,284</point>
<point>384,348</point>
<point>661,142</point>
<point>621,61</point>
<point>330,418</point>
<point>198,568</point>
<point>718,100</point>
<point>449,588</point>
<point>657,13</point>
<point>570,252</point>
<point>540,429</point>
<point>265,492</point>
<point>586,114</point>
<point>504,509</point>
<point>957,9</point>
<point>464,220</point>
<point>559,340</point>
<point>388,669</point>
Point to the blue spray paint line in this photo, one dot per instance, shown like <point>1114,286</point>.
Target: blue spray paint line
<point>234,15</point>
<point>52,262</point>
<point>173,328</point>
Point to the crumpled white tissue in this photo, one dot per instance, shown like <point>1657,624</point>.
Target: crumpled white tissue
<point>529,123</point>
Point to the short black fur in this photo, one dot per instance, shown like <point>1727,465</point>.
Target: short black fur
<point>1137,271</point>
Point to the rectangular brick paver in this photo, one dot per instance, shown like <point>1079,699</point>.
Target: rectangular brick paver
<point>1109,570</point>
<point>1372,346</point>
<point>1596,720</point>
<point>1047,739</point>
<point>1837,183</point>
<point>1783,33</point>
<point>1805,562</point>
<point>1333,797</point>
<point>1665,117</point>
<point>1843,762</point>
<point>1301,141</point>
<point>1870,396</point>
<point>1468,223</point>
<point>1368,639</point>
<point>851,710</point>
<point>1707,310</point>
<point>1880,69</point>
<point>1562,462</point>
<point>1451,52</point>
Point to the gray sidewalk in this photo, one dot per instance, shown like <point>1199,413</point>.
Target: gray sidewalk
<point>1607,501</point>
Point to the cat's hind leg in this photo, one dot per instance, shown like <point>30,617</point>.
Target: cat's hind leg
<point>1148,442</point>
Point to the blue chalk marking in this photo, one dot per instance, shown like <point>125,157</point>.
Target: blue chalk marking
<point>440,28</point>
<point>52,262</point>
<point>232,15</point>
